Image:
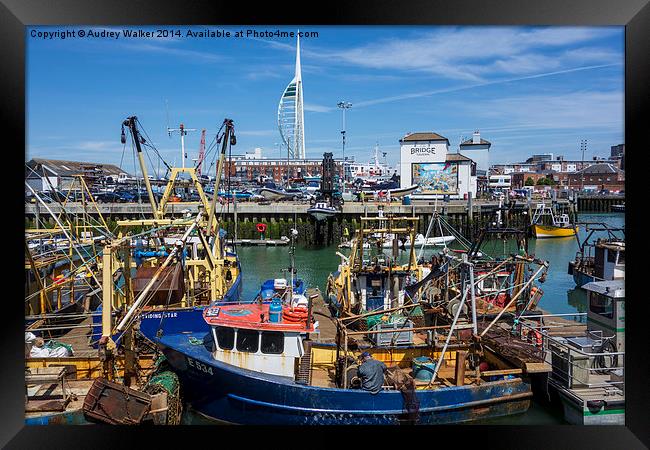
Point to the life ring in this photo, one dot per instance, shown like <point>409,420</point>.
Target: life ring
<point>297,315</point>
<point>261,227</point>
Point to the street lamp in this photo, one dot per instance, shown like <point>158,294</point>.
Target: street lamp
<point>344,106</point>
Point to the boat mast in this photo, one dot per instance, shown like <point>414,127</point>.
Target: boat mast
<point>227,137</point>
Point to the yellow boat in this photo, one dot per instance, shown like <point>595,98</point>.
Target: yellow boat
<point>560,226</point>
<point>550,231</point>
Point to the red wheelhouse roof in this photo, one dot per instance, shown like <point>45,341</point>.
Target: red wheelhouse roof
<point>249,316</point>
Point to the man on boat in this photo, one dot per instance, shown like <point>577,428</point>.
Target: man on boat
<point>371,372</point>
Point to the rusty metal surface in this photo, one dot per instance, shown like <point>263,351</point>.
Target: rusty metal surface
<point>115,404</point>
<point>169,284</point>
<point>511,348</point>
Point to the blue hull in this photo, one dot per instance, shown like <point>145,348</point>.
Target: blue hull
<point>73,417</point>
<point>227,393</point>
<point>582,278</point>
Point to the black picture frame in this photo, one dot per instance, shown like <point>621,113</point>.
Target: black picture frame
<point>633,14</point>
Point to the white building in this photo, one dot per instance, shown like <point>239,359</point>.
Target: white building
<point>425,160</point>
<point>478,150</point>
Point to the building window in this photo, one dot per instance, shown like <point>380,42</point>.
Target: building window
<point>225,338</point>
<point>248,340</point>
<point>272,342</point>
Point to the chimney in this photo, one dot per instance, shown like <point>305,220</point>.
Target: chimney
<point>476,137</point>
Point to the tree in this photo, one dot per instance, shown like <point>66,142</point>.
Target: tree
<point>529,182</point>
<point>541,181</point>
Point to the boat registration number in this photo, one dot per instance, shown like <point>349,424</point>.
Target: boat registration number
<point>199,366</point>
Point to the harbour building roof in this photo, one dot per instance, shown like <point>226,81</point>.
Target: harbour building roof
<point>425,136</point>
<point>481,142</point>
<point>64,168</point>
<point>457,157</point>
<point>599,168</point>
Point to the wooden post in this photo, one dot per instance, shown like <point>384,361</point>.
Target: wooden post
<point>470,207</point>
<point>461,355</point>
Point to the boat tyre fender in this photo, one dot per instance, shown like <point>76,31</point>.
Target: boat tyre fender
<point>312,201</point>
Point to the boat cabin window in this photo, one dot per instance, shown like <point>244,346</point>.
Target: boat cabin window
<point>616,257</point>
<point>225,338</point>
<point>248,340</point>
<point>601,305</point>
<point>272,342</point>
<point>611,256</point>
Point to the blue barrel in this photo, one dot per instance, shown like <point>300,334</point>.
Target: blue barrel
<point>406,200</point>
<point>275,311</point>
<point>423,368</point>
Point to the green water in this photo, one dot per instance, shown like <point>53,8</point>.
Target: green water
<point>560,293</point>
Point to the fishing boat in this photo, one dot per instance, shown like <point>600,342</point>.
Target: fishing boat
<point>366,281</point>
<point>260,365</point>
<point>322,211</point>
<point>587,360</point>
<point>559,226</point>
<point>602,259</point>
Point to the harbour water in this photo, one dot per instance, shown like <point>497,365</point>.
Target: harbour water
<point>315,263</point>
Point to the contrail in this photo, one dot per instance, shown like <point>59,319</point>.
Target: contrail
<point>475,85</point>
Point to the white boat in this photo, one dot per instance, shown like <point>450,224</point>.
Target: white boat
<point>401,192</point>
<point>321,211</point>
<point>419,241</point>
<point>274,194</point>
<point>430,242</point>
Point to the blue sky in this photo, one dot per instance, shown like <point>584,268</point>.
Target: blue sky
<point>527,89</point>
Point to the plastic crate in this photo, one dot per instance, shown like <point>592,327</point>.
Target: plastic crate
<point>398,338</point>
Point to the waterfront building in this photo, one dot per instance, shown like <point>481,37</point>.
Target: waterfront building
<point>425,160</point>
<point>478,150</point>
<point>603,175</point>
<point>291,119</point>
<point>51,174</point>
<point>252,165</point>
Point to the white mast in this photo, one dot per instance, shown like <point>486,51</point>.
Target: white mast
<point>183,132</point>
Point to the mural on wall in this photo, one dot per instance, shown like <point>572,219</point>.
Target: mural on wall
<point>435,178</point>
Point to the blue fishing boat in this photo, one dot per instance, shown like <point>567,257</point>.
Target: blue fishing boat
<point>602,259</point>
<point>257,365</point>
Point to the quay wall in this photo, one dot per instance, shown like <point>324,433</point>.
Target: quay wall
<point>467,217</point>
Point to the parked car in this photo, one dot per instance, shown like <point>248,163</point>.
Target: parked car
<point>110,197</point>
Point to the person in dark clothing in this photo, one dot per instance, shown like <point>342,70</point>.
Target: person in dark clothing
<point>371,372</point>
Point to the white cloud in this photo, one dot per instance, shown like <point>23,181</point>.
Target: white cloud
<point>472,53</point>
<point>317,108</point>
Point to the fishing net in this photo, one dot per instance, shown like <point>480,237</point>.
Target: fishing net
<point>403,382</point>
<point>164,380</point>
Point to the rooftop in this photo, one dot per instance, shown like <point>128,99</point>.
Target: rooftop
<point>69,168</point>
<point>425,136</point>
<point>457,157</point>
<point>600,168</point>
<point>470,142</point>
